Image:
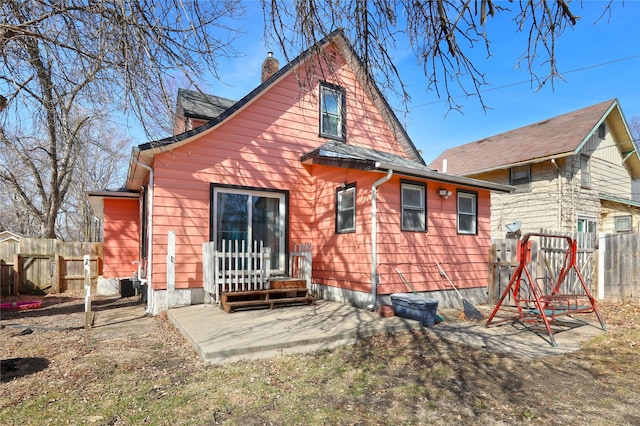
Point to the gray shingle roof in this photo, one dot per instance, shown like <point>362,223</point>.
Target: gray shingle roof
<point>201,105</point>
<point>339,154</point>
<point>342,150</point>
<point>558,135</point>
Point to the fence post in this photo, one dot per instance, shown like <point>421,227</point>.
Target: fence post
<point>87,291</point>
<point>492,274</point>
<point>602,250</point>
<point>16,275</point>
<point>58,260</point>
<point>171,268</point>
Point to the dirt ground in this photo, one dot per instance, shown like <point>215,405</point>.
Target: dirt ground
<point>135,369</point>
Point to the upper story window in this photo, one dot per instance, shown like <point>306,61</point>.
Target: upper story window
<point>585,171</point>
<point>520,175</point>
<point>346,209</point>
<point>467,212</point>
<point>414,206</point>
<point>332,111</point>
<point>602,131</point>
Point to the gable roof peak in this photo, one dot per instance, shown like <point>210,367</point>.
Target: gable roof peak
<point>552,137</point>
<point>145,152</point>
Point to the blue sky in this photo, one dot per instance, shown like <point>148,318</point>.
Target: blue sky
<point>599,61</point>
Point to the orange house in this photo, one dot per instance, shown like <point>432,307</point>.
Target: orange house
<point>313,155</point>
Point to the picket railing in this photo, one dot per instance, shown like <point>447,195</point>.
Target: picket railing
<point>238,267</point>
<point>300,262</point>
<point>235,267</point>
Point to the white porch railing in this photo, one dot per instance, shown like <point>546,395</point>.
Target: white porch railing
<point>235,267</point>
<point>300,262</point>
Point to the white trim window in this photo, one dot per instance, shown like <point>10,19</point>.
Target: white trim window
<point>467,212</point>
<point>414,206</point>
<point>587,224</point>
<point>346,209</point>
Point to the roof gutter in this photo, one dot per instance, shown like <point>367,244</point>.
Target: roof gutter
<point>441,177</point>
<point>147,278</point>
<point>374,239</point>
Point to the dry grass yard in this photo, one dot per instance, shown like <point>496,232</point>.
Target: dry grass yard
<point>140,370</point>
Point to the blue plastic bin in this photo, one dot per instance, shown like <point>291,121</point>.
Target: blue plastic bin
<point>412,306</point>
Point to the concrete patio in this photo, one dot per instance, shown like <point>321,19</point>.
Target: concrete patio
<point>260,333</point>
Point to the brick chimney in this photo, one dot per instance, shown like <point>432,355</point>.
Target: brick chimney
<point>270,66</point>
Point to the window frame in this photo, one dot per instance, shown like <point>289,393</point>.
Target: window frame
<point>339,191</point>
<point>251,191</point>
<point>474,196</point>
<point>422,187</point>
<point>341,114</point>
<point>526,184</point>
<point>587,220</point>
<point>618,219</point>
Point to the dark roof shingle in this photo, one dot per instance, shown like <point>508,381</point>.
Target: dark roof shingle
<point>201,105</point>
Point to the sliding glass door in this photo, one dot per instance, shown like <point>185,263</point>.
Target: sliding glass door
<point>246,215</point>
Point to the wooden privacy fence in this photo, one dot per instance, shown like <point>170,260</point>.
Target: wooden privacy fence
<point>547,256</point>
<point>619,267</point>
<point>48,266</point>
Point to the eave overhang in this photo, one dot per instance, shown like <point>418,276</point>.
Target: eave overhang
<point>619,200</point>
<point>334,159</point>
<point>96,199</point>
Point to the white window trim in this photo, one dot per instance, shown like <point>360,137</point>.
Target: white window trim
<point>474,214</point>
<point>618,219</point>
<point>422,208</point>
<point>339,192</point>
<point>587,219</point>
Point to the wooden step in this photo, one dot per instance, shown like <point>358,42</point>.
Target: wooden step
<point>229,306</point>
<point>270,297</point>
<point>287,283</point>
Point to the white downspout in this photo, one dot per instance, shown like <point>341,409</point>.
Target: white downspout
<point>150,300</point>
<point>374,239</point>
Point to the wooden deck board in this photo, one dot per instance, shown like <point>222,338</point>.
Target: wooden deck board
<point>269,297</point>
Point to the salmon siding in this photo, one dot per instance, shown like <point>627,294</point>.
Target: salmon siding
<point>121,237</point>
<point>260,147</point>
<point>304,150</point>
<point>344,260</point>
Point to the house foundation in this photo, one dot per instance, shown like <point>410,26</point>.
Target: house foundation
<point>359,299</point>
<point>162,300</point>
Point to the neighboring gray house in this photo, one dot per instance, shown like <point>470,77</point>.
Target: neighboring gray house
<point>572,172</point>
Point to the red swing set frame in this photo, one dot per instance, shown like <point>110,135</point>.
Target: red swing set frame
<point>533,304</point>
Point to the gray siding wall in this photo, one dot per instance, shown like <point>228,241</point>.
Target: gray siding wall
<point>556,197</point>
<point>536,205</point>
<point>608,173</point>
